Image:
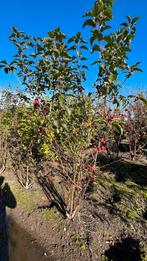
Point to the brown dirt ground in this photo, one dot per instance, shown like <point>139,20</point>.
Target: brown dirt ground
<point>98,226</point>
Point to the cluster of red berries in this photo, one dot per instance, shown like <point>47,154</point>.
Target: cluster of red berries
<point>37,105</point>
<point>36,102</point>
<point>90,168</point>
<point>110,118</point>
<point>103,142</point>
<point>50,178</point>
<point>101,147</point>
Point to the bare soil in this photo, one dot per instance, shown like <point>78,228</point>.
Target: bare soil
<point>111,223</point>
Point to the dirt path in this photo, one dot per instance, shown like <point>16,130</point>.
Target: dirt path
<point>15,243</point>
<point>107,223</point>
<point>23,246</point>
<point>3,234</point>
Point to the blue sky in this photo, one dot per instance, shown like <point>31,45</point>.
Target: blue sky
<point>38,17</point>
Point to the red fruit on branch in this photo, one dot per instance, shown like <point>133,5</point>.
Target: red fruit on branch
<point>41,113</point>
<point>101,148</point>
<point>110,118</point>
<point>102,142</point>
<point>90,168</point>
<point>50,178</point>
<point>36,102</point>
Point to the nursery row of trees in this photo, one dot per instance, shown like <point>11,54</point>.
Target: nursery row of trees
<point>54,123</point>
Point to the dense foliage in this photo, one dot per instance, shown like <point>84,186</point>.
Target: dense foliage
<point>54,121</point>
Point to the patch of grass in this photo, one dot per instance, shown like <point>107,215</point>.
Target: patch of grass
<point>28,199</point>
<point>143,249</point>
<point>127,188</point>
<point>142,191</point>
<point>104,258</point>
<point>105,181</point>
<point>63,227</point>
<point>132,203</point>
<point>131,213</point>
<point>79,242</point>
<point>48,215</point>
<point>108,183</point>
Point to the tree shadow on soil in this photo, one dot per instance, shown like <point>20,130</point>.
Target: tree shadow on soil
<point>126,250</point>
<point>7,199</point>
<point>123,170</point>
<point>98,210</point>
<point>55,199</point>
<point>145,214</point>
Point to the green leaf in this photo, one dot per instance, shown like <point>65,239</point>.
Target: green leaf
<point>4,62</point>
<point>136,64</point>
<point>87,14</point>
<point>138,69</point>
<point>56,50</point>
<point>68,110</point>
<point>56,124</point>
<point>33,55</point>
<point>118,128</point>
<point>6,70</point>
<point>70,40</point>
<point>78,35</point>
<point>96,35</point>
<point>96,62</point>
<point>64,126</point>
<point>85,67</point>
<point>124,24</point>
<point>92,38</point>
<point>142,99</point>
<point>89,22</point>
<point>135,19</point>
<point>83,47</point>
<point>128,18</point>
<point>108,38</point>
<point>96,48</point>
<point>106,27</point>
<point>74,47</point>
<point>83,59</point>
<point>113,77</point>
